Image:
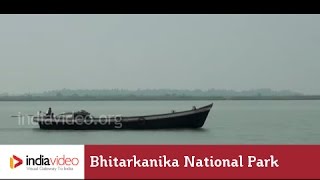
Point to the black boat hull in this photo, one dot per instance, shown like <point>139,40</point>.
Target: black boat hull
<point>186,119</point>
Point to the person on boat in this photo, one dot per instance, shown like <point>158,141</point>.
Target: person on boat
<point>49,112</point>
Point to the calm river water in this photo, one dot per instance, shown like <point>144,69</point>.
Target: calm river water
<point>229,122</point>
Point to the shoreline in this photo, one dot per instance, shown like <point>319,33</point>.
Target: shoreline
<point>154,98</point>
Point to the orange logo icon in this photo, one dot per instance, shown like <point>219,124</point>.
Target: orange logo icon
<point>13,164</point>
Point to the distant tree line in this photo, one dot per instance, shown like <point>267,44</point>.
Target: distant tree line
<point>158,98</point>
<point>157,94</point>
<point>165,92</point>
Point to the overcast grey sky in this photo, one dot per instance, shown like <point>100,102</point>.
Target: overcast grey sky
<point>45,52</point>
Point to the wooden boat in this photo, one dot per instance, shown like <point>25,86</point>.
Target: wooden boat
<point>82,120</point>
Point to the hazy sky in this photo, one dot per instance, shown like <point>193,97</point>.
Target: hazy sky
<point>45,52</point>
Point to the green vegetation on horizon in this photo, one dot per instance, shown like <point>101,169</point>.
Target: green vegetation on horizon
<point>158,98</point>
<point>157,94</point>
<point>162,92</point>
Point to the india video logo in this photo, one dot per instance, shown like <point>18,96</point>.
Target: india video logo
<point>15,161</point>
<point>56,161</point>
